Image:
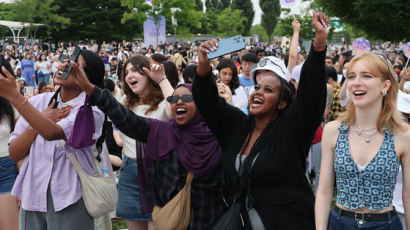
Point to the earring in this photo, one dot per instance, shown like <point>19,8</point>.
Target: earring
<point>384,93</point>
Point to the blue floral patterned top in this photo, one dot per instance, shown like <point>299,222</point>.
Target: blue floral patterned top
<point>372,187</point>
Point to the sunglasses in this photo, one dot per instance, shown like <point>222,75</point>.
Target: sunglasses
<point>264,61</point>
<point>185,98</point>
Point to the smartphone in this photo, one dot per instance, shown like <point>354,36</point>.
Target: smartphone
<point>74,58</point>
<point>28,91</point>
<point>227,46</point>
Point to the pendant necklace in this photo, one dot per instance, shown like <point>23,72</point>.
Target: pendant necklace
<point>362,132</point>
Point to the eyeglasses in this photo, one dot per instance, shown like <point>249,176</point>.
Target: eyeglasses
<point>264,61</point>
<point>185,98</point>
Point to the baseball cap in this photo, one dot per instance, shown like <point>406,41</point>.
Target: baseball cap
<point>403,102</point>
<point>273,64</point>
<point>296,72</point>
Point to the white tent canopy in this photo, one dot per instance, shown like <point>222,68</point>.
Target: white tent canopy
<point>18,26</point>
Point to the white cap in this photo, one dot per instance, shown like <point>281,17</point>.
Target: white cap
<point>273,64</point>
<point>403,102</point>
<point>296,72</point>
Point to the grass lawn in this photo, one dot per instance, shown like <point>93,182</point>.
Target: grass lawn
<point>118,224</point>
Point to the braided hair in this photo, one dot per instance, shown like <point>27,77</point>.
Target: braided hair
<point>237,185</point>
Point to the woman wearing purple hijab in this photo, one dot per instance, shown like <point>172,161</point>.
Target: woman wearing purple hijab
<point>173,148</point>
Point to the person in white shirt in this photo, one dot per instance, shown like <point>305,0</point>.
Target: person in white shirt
<point>43,67</point>
<point>228,75</point>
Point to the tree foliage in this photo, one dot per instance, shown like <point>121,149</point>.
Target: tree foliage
<point>187,17</point>
<point>260,31</point>
<point>230,22</point>
<point>271,13</point>
<point>248,12</point>
<point>381,19</point>
<point>199,5</point>
<point>223,4</point>
<point>95,19</point>
<point>284,27</point>
<point>39,11</point>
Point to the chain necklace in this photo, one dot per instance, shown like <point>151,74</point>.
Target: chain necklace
<point>363,132</point>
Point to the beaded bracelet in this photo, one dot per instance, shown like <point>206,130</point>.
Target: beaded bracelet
<point>318,45</point>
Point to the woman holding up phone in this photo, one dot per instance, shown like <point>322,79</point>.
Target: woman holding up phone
<point>9,210</point>
<point>174,147</point>
<point>264,153</point>
<point>48,185</point>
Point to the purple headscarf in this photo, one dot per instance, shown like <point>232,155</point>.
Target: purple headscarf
<point>198,150</point>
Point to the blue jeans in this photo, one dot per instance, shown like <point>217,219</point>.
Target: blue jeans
<point>128,204</point>
<point>44,78</point>
<point>8,174</point>
<point>316,161</point>
<point>339,222</point>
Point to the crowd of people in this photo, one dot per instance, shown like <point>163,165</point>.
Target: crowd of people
<point>257,129</point>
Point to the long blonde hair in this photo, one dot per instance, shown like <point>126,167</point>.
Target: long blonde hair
<point>389,116</point>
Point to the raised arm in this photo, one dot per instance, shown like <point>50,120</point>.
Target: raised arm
<point>293,50</point>
<point>220,117</point>
<point>157,73</point>
<point>38,121</point>
<point>308,108</point>
<point>19,148</point>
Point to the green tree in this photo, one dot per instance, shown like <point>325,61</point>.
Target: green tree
<point>212,5</point>
<point>230,22</point>
<point>284,26</point>
<point>5,10</point>
<point>39,11</point>
<point>187,17</point>
<point>271,13</point>
<point>260,31</point>
<point>223,4</point>
<point>248,12</point>
<point>381,19</point>
<point>199,5</point>
<point>95,19</point>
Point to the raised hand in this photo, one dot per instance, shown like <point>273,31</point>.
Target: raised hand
<point>224,91</point>
<point>204,66</point>
<point>319,23</point>
<point>156,71</point>
<point>57,114</point>
<point>296,25</point>
<point>80,78</point>
<point>8,88</point>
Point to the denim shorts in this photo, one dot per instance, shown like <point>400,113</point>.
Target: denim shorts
<point>128,205</point>
<point>339,222</point>
<point>8,174</point>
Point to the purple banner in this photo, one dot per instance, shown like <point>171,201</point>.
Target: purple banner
<point>154,32</point>
<point>287,3</point>
<point>361,45</point>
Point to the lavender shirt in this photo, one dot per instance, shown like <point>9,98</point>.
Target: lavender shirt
<point>48,161</point>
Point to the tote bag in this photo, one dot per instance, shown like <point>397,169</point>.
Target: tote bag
<point>175,215</point>
<point>99,193</point>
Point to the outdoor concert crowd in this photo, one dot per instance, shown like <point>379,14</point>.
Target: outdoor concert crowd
<point>268,137</point>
